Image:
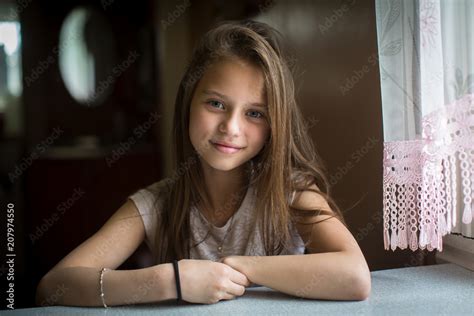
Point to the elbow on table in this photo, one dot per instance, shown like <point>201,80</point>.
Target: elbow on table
<point>356,288</point>
<point>40,293</point>
<point>362,286</point>
<point>43,296</point>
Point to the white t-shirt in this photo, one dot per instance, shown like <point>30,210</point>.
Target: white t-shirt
<point>244,237</point>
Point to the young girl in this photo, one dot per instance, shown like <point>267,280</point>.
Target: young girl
<point>247,204</point>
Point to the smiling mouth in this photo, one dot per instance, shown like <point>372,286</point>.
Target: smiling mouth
<point>225,149</point>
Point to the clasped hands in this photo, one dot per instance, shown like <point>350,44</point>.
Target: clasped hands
<point>239,263</point>
<point>209,283</point>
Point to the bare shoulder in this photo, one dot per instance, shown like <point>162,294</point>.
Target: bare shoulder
<point>324,231</point>
<point>310,199</point>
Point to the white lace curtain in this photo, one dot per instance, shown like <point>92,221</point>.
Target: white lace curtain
<point>426,58</point>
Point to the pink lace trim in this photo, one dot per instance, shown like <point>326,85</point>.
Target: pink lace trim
<point>420,179</point>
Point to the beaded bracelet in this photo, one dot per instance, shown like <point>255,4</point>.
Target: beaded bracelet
<point>101,282</point>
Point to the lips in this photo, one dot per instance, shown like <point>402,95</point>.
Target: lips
<point>225,144</point>
<point>224,148</point>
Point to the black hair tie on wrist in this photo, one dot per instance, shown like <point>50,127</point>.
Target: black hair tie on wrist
<point>178,284</point>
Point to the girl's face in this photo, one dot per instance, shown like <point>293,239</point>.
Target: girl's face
<point>229,107</point>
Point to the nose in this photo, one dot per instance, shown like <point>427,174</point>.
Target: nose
<point>231,124</point>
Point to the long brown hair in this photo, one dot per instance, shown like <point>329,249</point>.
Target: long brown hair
<point>288,160</point>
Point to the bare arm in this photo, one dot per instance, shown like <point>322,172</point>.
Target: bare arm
<point>75,279</point>
<point>332,275</point>
<point>334,269</point>
<point>79,286</point>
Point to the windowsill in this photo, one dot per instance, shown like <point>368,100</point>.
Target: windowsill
<point>457,250</point>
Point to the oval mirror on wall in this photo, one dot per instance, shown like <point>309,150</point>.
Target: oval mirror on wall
<point>87,55</point>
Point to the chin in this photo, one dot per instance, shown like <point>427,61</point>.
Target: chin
<point>222,164</point>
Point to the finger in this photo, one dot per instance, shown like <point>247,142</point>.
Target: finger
<point>239,278</point>
<point>228,296</point>
<point>235,289</point>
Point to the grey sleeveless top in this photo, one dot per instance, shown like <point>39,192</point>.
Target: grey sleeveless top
<point>244,237</point>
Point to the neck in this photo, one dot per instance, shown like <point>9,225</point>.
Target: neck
<point>225,191</point>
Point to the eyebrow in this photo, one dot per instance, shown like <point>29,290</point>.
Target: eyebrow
<point>213,92</point>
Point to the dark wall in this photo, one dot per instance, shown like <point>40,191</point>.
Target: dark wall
<point>63,193</point>
<point>49,104</point>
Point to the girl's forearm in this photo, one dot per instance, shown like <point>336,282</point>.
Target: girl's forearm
<point>79,286</point>
<point>331,275</point>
